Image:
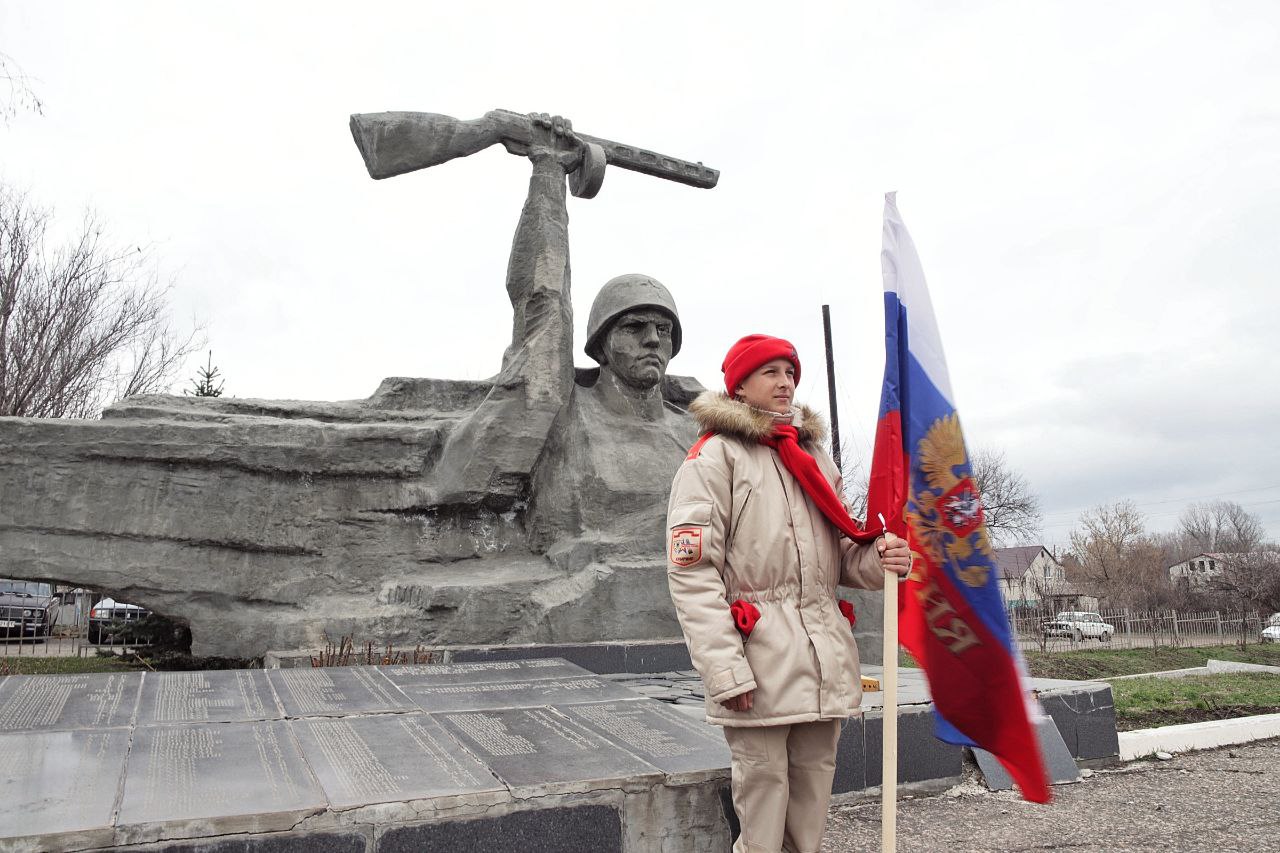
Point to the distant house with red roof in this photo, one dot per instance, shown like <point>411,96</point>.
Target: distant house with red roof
<point>1032,578</point>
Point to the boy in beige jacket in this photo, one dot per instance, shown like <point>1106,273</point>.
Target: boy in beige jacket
<point>755,525</point>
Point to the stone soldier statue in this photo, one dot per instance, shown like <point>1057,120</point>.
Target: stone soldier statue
<point>527,508</point>
<point>613,453</point>
<point>592,451</point>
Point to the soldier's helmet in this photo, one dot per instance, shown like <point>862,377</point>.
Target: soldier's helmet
<point>630,292</point>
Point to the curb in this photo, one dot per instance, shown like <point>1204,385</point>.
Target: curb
<point>1213,667</point>
<point>1164,673</point>
<point>1191,736</point>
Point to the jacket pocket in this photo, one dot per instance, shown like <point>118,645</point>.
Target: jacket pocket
<point>696,513</point>
<point>735,519</point>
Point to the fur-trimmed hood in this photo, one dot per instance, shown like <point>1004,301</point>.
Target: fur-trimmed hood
<point>716,411</point>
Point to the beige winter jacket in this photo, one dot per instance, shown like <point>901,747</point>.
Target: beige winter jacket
<point>741,527</point>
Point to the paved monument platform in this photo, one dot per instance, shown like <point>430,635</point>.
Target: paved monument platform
<point>481,756</point>
<point>489,755</point>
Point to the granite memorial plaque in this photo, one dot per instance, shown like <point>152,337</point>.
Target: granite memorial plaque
<point>390,757</point>
<point>1096,736</point>
<point>208,696</point>
<point>236,774</point>
<point>1057,760</point>
<point>851,756</point>
<point>594,828</point>
<point>655,731</point>
<point>483,672</point>
<point>539,747</point>
<point>336,691</point>
<point>921,756</point>
<point>515,694</point>
<point>52,702</point>
<point>54,782</point>
<point>276,842</point>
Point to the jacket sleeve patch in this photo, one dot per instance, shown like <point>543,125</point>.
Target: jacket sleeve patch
<point>686,545</point>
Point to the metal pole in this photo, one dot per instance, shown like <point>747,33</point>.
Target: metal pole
<point>831,387</point>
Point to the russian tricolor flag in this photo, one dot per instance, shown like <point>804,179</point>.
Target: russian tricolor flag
<point>951,615</point>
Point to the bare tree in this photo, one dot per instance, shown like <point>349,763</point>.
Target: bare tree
<point>81,323</point>
<point>854,476</point>
<point>1115,556</point>
<point>1011,509</point>
<point>1221,527</point>
<point>1249,582</point>
<point>1175,547</point>
<point>20,95</point>
<point>1248,577</point>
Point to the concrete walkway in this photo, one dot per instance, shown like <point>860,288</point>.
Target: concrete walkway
<point>1217,800</point>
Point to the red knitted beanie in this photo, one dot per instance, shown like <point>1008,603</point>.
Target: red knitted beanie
<point>750,353</point>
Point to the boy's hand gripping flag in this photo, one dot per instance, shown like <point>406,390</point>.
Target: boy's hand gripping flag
<point>951,615</point>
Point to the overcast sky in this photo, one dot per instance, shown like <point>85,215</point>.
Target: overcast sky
<point>1094,189</point>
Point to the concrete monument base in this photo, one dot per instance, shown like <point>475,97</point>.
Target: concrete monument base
<point>450,758</point>
<point>538,755</point>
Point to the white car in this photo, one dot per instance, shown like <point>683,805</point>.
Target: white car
<point>110,621</point>
<point>1271,633</point>
<point>1079,626</point>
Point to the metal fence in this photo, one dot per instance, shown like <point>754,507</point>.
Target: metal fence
<point>1040,630</point>
<point>67,624</point>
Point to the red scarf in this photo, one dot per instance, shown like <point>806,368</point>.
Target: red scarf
<point>804,468</point>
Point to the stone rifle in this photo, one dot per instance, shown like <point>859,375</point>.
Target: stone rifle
<point>397,142</point>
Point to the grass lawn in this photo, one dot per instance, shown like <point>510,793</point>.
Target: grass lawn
<point>1104,663</point>
<point>27,665</point>
<point>1143,703</point>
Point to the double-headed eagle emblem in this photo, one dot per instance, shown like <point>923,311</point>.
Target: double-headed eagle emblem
<point>946,514</point>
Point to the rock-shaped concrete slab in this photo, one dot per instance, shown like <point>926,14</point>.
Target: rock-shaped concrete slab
<point>327,519</point>
<point>49,702</point>
<point>207,696</point>
<point>59,787</point>
<point>389,758</point>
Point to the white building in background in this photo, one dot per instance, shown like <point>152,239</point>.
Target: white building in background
<point>1030,577</point>
<point>1200,570</point>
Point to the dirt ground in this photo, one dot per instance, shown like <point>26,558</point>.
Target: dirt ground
<point>1218,800</point>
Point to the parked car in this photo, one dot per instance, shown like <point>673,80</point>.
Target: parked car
<point>1079,625</point>
<point>27,608</point>
<point>114,621</point>
<point>1271,633</point>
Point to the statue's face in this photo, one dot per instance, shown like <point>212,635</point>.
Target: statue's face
<point>637,348</point>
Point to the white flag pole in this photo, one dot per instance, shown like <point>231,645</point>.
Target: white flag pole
<point>889,725</point>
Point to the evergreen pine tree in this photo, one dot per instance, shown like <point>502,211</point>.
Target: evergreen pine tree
<point>204,383</point>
